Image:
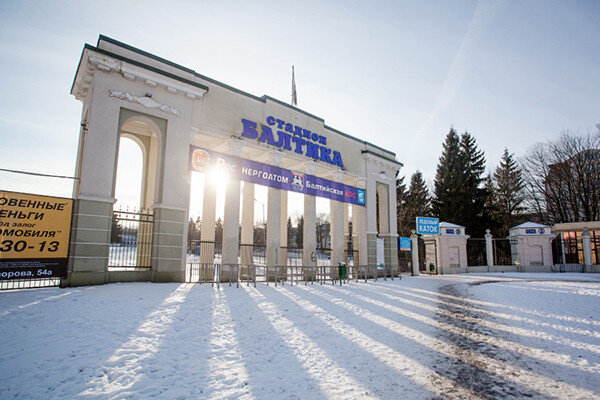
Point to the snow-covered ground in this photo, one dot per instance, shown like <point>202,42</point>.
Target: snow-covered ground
<point>461,336</point>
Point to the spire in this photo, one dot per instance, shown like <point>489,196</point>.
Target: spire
<point>294,95</point>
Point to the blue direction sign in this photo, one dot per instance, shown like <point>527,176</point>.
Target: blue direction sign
<point>428,226</point>
<point>403,243</point>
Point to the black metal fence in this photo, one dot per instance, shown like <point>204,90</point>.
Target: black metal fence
<point>502,252</point>
<point>230,274</point>
<point>476,252</point>
<point>131,240</point>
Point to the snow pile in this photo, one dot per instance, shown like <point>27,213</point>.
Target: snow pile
<point>461,336</point>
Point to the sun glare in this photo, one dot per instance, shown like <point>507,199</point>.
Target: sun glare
<point>217,176</point>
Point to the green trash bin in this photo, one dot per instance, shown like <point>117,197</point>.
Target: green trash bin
<point>431,268</point>
<point>342,271</point>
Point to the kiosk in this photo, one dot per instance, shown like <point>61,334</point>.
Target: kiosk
<point>531,247</point>
<point>447,252</point>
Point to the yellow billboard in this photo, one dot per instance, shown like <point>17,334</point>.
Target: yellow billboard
<point>34,234</point>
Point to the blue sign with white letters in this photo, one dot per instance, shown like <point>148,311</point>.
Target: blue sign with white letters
<point>404,243</point>
<point>428,226</point>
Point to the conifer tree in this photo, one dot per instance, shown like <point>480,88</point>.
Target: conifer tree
<point>290,233</point>
<point>300,232</point>
<point>472,194</point>
<point>508,193</point>
<point>401,210</point>
<point>417,199</point>
<point>446,204</point>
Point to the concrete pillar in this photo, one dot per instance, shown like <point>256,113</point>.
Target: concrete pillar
<point>359,228</point>
<point>209,210</point>
<point>309,245</point>
<point>371,218</point>
<point>309,241</point>
<point>93,207</point>
<point>347,237</point>
<point>415,252</point>
<point>587,250</point>
<point>246,250</point>
<point>337,232</point>
<point>273,224</point>
<point>231,226</point>
<point>489,249</point>
<point>283,234</point>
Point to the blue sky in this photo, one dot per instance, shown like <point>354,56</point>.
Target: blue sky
<point>397,73</point>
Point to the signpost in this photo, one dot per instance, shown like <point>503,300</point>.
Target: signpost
<point>404,244</point>
<point>428,226</point>
<point>34,236</point>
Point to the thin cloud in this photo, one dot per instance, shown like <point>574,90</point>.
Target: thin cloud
<point>484,14</point>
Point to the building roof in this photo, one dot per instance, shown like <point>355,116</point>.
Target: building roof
<point>529,225</point>
<point>576,226</point>
<point>450,225</point>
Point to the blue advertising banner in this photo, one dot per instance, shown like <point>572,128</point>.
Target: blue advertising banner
<point>268,175</point>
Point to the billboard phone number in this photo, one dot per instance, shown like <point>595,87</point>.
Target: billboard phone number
<point>21,245</point>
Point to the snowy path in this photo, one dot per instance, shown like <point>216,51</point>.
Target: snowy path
<point>457,337</point>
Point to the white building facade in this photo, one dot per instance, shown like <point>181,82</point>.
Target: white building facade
<point>186,122</point>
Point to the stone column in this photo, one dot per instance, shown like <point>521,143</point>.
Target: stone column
<point>209,210</point>
<point>336,210</point>
<point>587,250</point>
<point>247,248</point>
<point>489,249</point>
<point>231,228</point>
<point>273,224</point>
<point>371,219</point>
<point>392,240</point>
<point>347,237</point>
<point>93,193</point>
<point>283,234</point>
<point>414,238</point>
<point>309,234</point>
<point>359,228</point>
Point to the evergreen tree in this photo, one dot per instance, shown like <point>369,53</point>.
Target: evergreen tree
<point>290,233</point>
<point>473,213</point>
<point>508,193</point>
<point>446,204</point>
<point>416,202</point>
<point>219,231</point>
<point>403,223</point>
<point>116,230</point>
<point>300,232</point>
<point>459,195</point>
<point>417,199</point>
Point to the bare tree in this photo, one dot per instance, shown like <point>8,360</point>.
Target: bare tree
<point>562,178</point>
<point>322,230</point>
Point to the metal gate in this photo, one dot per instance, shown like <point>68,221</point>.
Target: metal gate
<point>131,240</point>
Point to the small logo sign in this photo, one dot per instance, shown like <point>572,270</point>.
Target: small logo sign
<point>200,159</point>
<point>297,182</point>
<point>541,231</point>
<point>458,231</point>
<point>361,196</point>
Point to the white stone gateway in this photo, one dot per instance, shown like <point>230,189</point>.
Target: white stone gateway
<point>448,250</point>
<point>531,247</point>
<point>182,120</point>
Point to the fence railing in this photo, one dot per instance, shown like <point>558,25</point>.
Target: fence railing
<point>502,252</point>
<point>29,283</point>
<point>217,274</point>
<point>476,252</point>
<point>131,239</point>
